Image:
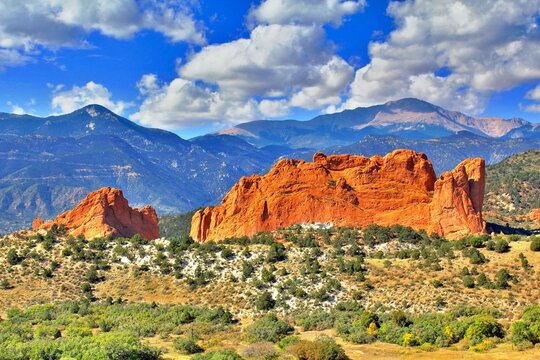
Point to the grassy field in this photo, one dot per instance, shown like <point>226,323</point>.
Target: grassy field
<point>377,350</point>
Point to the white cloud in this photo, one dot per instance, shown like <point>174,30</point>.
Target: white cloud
<point>16,109</point>
<point>25,26</point>
<point>275,60</point>
<point>92,93</point>
<point>273,108</point>
<point>183,103</point>
<point>10,57</point>
<point>175,20</point>
<point>533,108</point>
<point>282,65</point>
<point>327,83</point>
<point>483,46</point>
<point>534,94</point>
<point>305,12</point>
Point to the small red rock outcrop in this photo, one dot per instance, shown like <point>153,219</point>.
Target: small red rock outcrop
<point>347,190</point>
<point>105,212</point>
<point>36,224</point>
<point>533,215</point>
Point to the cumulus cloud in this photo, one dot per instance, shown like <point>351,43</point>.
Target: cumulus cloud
<point>66,101</point>
<point>306,12</point>
<point>184,103</point>
<point>452,53</point>
<point>16,109</point>
<point>274,60</point>
<point>534,94</point>
<point>25,26</point>
<point>285,62</point>
<point>326,84</point>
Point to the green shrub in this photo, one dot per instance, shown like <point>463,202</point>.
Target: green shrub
<point>77,331</point>
<point>268,328</point>
<point>12,257</point>
<point>524,262</point>
<point>360,336</point>
<point>400,318</point>
<point>46,332</point>
<point>475,256</point>
<point>367,318</point>
<point>482,328</point>
<point>315,320</point>
<point>102,346</point>
<point>354,327</point>
<point>535,244</point>
<point>288,341</point>
<point>468,281</point>
<point>265,301</point>
<point>482,280</point>
<point>4,284</point>
<point>393,333</point>
<point>323,348</point>
<point>528,329</point>
<point>267,276</point>
<point>92,275</point>
<point>227,253</point>
<point>501,279</point>
<point>477,241</point>
<point>277,252</point>
<point>187,346</point>
<point>501,246</point>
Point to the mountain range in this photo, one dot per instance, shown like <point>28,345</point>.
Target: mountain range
<point>49,164</point>
<point>406,118</point>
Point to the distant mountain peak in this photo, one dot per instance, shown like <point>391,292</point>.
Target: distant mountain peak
<point>412,104</point>
<point>407,118</point>
<point>95,110</point>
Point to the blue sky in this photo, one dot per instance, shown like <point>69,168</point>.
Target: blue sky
<point>198,66</point>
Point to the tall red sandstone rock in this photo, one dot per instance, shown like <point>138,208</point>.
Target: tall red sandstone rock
<point>399,188</point>
<point>106,212</point>
<point>458,199</point>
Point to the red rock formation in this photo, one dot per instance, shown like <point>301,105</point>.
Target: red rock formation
<point>400,188</point>
<point>106,212</point>
<point>458,199</point>
<point>534,215</point>
<point>36,224</point>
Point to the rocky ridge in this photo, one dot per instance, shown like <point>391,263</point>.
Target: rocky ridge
<point>346,190</point>
<point>103,213</point>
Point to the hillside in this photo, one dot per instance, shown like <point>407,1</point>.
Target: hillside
<point>345,283</point>
<point>49,164</point>
<point>513,188</point>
